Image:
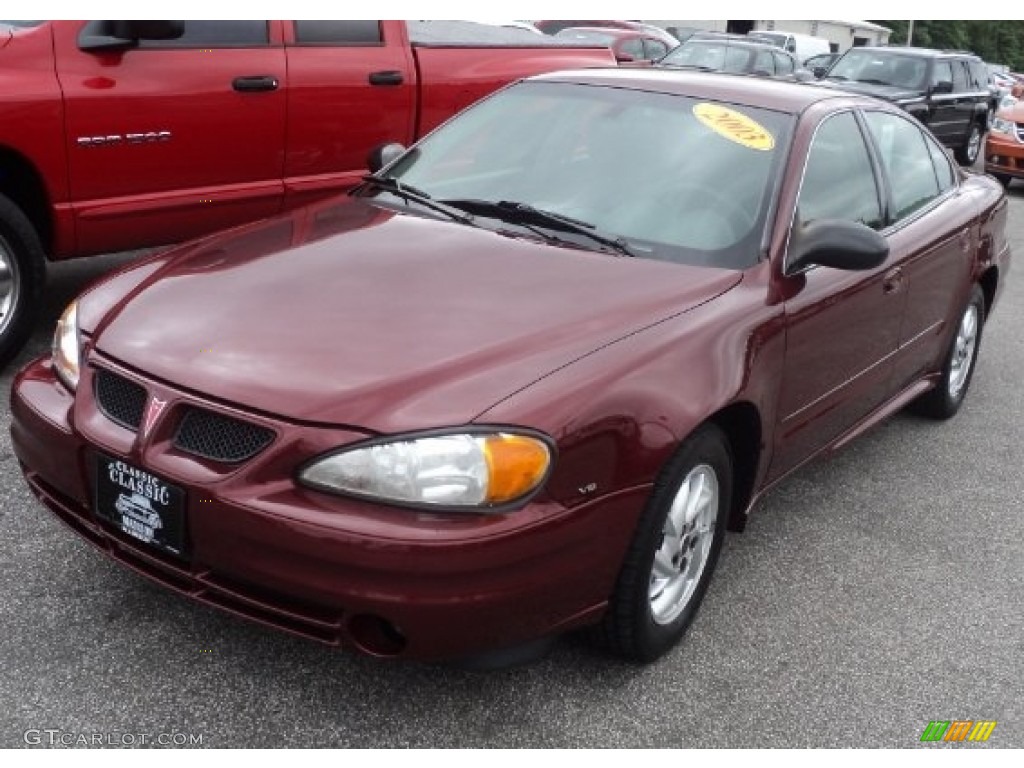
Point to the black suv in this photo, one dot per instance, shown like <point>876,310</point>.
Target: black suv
<point>946,90</point>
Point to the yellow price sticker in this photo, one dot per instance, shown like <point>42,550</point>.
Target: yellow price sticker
<point>734,126</point>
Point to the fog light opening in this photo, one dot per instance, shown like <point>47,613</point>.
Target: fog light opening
<point>376,636</point>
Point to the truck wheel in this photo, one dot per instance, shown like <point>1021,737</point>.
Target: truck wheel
<point>22,274</point>
<point>967,153</point>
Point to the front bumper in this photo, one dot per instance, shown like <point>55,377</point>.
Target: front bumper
<point>1004,155</point>
<point>383,581</point>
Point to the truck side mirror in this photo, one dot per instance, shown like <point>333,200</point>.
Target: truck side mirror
<point>943,86</point>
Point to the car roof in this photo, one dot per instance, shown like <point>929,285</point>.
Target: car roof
<point>609,31</point>
<point>912,51</point>
<point>766,93</point>
<point>739,42</point>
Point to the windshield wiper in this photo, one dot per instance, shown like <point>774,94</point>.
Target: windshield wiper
<point>525,214</point>
<point>836,77</point>
<point>415,195</point>
<point>700,67</point>
<point>873,81</point>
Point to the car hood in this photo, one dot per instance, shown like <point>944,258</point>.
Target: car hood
<point>386,322</point>
<point>886,92</point>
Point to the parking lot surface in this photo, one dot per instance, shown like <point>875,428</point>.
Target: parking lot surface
<point>870,594</point>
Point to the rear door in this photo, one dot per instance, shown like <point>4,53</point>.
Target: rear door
<point>842,328</point>
<point>175,138</point>
<point>929,235</point>
<point>349,90</point>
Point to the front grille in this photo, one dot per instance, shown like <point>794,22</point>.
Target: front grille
<point>220,438</point>
<point>121,400</point>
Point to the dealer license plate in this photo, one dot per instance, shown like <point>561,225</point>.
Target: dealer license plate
<point>141,505</point>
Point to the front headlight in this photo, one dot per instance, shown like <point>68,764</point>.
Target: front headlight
<point>1001,125</point>
<point>67,347</point>
<point>472,471</point>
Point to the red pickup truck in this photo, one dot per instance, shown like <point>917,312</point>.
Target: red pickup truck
<point>126,134</point>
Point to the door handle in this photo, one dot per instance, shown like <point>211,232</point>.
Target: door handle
<point>893,281</point>
<point>253,83</point>
<point>387,77</point>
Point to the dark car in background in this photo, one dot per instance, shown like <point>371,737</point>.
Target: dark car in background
<point>726,54</point>
<point>819,65</point>
<point>948,91</point>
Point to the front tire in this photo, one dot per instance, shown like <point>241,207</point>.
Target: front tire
<point>967,153</point>
<point>674,550</point>
<point>22,274</point>
<point>958,369</point>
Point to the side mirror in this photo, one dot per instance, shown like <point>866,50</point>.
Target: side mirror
<point>943,86</point>
<point>383,155</point>
<point>625,58</point>
<point>115,35</point>
<point>819,72</point>
<point>835,243</point>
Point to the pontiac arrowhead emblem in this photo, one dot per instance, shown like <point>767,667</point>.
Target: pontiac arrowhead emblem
<point>154,408</point>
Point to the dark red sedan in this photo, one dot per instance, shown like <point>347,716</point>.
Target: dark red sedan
<point>526,377</point>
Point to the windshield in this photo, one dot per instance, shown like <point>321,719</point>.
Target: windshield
<point>709,54</point>
<point>881,68</point>
<point>677,179</point>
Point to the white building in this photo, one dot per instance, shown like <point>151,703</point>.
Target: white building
<point>840,34</point>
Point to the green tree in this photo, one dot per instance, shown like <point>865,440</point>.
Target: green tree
<point>997,42</point>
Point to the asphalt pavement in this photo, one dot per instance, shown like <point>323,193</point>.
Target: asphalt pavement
<point>869,595</point>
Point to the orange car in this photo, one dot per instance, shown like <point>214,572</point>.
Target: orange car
<point>1004,148</point>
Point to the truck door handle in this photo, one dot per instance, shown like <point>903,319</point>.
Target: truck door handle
<point>254,83</point>
<point>387,77</point>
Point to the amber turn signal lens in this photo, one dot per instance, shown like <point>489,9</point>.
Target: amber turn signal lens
<point>515,465</point>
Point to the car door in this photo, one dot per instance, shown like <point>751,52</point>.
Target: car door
<point>784,65</point>
<point>929,236</point>
<point>965,98</point>
<point>171,139</point>
<point>764,63</point>
<point>944,118</point>
<point>349,90</point>
<point>842,327</point>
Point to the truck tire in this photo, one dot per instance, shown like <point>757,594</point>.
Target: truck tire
<point>22,274</point>
<point>967,153</point>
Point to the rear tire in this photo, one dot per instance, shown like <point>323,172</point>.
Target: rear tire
<point>674,550</point>
<point>967,153</point>
<point>958,368</point>
<point>22,274</point>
